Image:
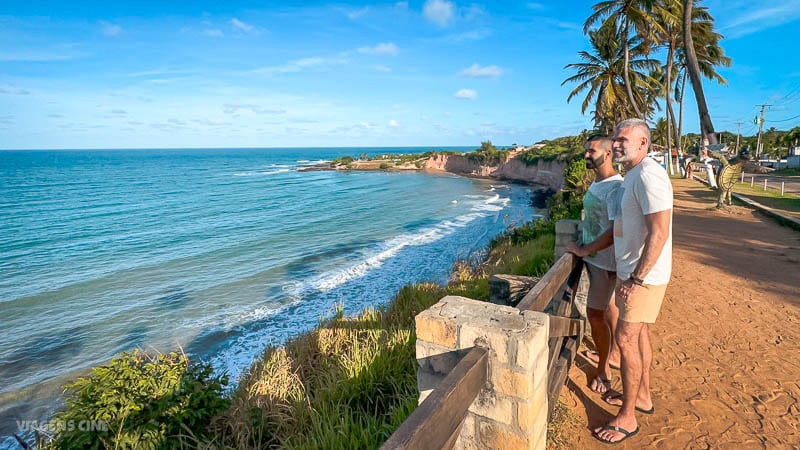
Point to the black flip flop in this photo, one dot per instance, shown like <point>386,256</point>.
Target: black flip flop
<point>627,434</point>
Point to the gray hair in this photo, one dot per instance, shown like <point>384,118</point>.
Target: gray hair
<point>635,123</point>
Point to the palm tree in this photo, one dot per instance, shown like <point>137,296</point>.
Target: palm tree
<point>660,131</point>
<point>631,18</point>
<point>707,49</point>
<point>601,72</point>
<point>693,70</point>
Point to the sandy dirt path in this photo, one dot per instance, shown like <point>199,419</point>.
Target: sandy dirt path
<point>726,366</point>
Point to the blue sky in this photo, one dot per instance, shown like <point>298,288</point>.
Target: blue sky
<point>273,74</point>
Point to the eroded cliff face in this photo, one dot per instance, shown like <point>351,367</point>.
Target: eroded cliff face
<point>545,173</point>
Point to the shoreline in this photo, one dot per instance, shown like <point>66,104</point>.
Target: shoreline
<point>432,165</point>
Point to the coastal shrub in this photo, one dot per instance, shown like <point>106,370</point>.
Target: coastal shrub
<point>143,401</point>
<point>488,154</point>
<point>343,161</point>
<point>562,149</point>
<point>385,166</point>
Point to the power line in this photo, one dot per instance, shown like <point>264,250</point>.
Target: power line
<point>784,120</point>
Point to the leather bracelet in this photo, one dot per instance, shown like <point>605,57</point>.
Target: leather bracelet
<point>638,281</point>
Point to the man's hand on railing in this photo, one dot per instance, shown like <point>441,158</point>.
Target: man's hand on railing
<point>577,250</point>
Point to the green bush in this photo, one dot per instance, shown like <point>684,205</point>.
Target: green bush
<point>344,160</point>
<point>385,166</point>
<point>488,154</point>
<point>562,148</point>
<point>143,401</point>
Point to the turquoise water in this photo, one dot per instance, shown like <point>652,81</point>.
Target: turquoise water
<point>221,252</point>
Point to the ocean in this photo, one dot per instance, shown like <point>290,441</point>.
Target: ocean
<point>221,252</point>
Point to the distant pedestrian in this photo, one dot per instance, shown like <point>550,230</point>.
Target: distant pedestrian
<point>597,251</point>
<point>643,250</point>
<point>706,160</point>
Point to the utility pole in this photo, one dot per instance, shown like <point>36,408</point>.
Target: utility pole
<point>738,132</point>
<point>760,129</point>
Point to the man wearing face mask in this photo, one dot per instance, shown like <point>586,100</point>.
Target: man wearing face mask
<point>597,252</point>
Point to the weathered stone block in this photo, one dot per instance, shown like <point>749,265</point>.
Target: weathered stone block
<point>532,414</point>
<point>531,350</point>
<point>508,290</point>
<point>469,430</point>
<point>496,436</point>
<point>494,406</point>
<point>512,383</point>
<point>435,329</point>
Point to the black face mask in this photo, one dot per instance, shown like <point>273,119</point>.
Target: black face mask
<point>595,163</point>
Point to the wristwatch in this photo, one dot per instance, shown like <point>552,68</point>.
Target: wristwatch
<point>638,281</point>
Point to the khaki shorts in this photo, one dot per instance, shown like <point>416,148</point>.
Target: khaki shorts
<point>601,287</point>
<point>644,305</point>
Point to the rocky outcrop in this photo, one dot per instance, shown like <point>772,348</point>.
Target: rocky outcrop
<point>545,173</point>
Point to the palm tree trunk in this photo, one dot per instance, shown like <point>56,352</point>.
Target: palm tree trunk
<point>694,73</point>
<point>628,88</point>
<point>680,112</point>
<point>668,88</point>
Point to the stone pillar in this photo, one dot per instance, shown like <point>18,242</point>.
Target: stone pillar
<point>511,411</point>
<point>568,231</point>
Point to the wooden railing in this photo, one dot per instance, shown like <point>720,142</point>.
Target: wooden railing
<point>437,422</point>
<point>555,294</point>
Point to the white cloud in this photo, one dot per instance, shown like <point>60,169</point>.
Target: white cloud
<point>213,32</point>
<point>466,94</point>
<point>357,13</point>
<point>393,123</point>
<point>472,35</point>
<point>535,6</point>
<point>41,55</point>
<point>768,16</point>
<point>474,12</point>
<point>239,25</point>
<point>230,108</point>
<point>299,65</point>
<point>439,12</point>
<point>109,29</point>
<point>382,68</point>
<point>476,71</point>
<point>384,48</point>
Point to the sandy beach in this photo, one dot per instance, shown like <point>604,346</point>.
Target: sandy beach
<point>726,345</point>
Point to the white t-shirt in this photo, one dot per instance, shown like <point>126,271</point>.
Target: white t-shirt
<point>598,208</point>
<point>645,190</point>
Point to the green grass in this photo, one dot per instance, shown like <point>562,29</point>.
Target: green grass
<point>771,197</point>
<point>787,172</point>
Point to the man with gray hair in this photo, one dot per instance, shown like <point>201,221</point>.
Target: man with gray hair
<point>643,250</point>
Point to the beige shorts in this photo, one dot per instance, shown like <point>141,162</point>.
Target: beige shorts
<point>644,305</point>
<point>601,287</point>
